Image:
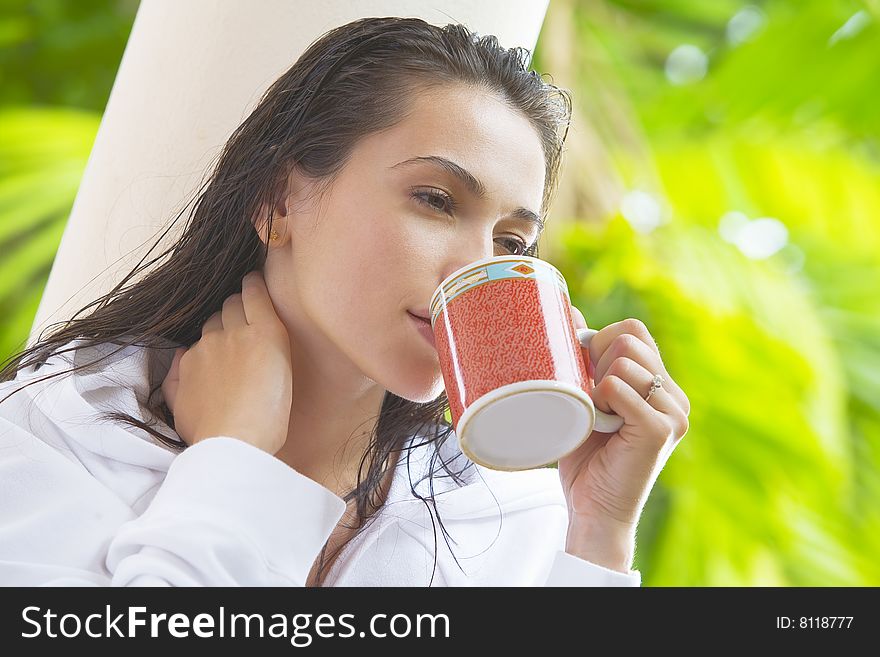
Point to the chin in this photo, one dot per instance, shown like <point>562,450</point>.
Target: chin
<point>410,373</point>
<point>417,384</point>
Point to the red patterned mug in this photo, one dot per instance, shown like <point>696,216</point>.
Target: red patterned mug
<point>517,384</point>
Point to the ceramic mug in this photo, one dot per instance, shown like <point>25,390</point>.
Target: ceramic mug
<point>510,356</point>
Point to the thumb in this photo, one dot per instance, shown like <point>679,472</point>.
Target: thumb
<point>580,322</point>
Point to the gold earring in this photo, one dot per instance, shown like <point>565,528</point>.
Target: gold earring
<point>274,235</point>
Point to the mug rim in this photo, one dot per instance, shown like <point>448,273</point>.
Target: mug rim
<point>485,261</point>
<point>519,387</point>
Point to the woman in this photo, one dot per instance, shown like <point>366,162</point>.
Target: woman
<point>274,416</point>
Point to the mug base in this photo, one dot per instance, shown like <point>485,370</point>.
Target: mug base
<point>526,425</point>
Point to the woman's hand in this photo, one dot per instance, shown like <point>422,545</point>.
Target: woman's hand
<point>237,379</point>
<point>607,479</point>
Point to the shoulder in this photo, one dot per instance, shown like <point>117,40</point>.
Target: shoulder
<point>62,402</point>
<point>132,365</point>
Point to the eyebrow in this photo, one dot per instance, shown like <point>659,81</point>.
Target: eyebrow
<point>473,185</point>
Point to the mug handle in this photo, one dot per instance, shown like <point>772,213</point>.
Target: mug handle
<point>605,422</point>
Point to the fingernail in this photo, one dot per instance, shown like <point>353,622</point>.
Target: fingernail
<point>584,336</point>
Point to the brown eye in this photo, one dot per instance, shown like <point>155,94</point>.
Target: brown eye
<point>523,246</point>
<point>446,205</point>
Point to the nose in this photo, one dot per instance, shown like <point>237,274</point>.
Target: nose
<point>464,252</point>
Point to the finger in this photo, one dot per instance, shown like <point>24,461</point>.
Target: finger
<point>255,298</point>
<point>614,395</point>
<point>214,323</point>
<point>629,346</point>
<point>579,320</point>
<point>169,393</point>
<point>603,339</point>
<point>640,379</point>
<point>233,312</point>
<point>172,379</point>
<point>174,369</point>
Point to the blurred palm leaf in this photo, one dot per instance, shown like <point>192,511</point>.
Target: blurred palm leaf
<point>780,364</point>
<point>777,481</point>
<point>43,153</point>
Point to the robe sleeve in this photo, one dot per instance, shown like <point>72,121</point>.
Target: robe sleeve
<point>226,514</point>
<point>569,570</point>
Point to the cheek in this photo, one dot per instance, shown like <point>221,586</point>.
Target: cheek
<point>365,263</point>
<point>381,248</point>
<point>364,276</point>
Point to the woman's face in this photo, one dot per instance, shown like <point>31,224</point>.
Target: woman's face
<point>385,235</point>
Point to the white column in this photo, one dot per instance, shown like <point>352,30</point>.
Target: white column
<point>191,73</point>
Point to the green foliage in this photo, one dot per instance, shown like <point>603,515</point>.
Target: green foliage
<point>56,52</point>
<point>43,153</point>
<point>777,481</point>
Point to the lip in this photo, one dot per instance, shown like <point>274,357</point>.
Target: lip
<point>423,313</point>
<point>423,326</point>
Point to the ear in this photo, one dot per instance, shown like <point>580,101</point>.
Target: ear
<point>288,191</point>
<point>284,188</point>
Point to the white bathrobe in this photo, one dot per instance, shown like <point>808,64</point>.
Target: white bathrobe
<point>88,503</point>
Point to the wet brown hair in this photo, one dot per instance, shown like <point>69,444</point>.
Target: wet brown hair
<point>355,80</point>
